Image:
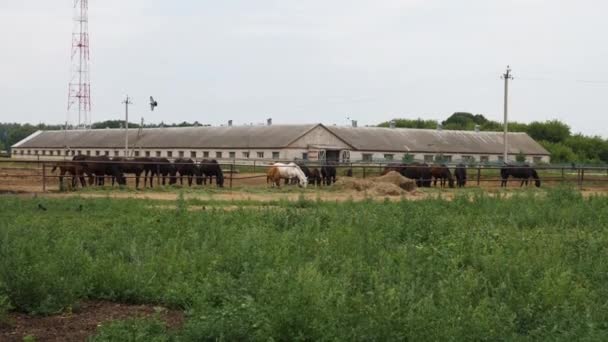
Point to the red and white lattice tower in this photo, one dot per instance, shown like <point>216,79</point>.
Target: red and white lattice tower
<point>79,89</point>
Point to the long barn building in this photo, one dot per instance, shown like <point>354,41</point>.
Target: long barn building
<point>282,142</point>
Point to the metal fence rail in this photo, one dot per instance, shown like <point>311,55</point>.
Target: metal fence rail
<point>38,175</point>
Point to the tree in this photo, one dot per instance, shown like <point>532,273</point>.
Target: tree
<point>560,153</point>
<point>409,123</point>
<point>552,131</point>
<point>520,157</point>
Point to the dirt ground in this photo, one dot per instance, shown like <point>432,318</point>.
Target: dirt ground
<point>80,324</point>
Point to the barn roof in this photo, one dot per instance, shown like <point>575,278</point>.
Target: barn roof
<point>281,136</point>
<point>435,141</point>
<point>275,136</point>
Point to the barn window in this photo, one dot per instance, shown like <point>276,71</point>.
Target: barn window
<point>218,155</point>
<point>88,153</point>
<point>97,153</point>
<point>20,152</point>
<point>116,153</point>
<point>429,158</point>
<point>29,152</point>
<point>501,158</point>
<point>147,153</point>
<point>158,153</point>
<point>245,154</point>
<point>484,159</point>
<point>58,152</point>
<point>106,153</point>
<point>36,152</point>
<point>181,154</point>
<point>79,152</point>
<point>275,155</point>
<point>260,154</point>
<point>51,153</point>
<point>67,152</point>
<point>367,157</point>
<point>206,154</point>
<point>537,160</point>
<point>169,154</point>
<point>468,159</point>
<point>304,156</point>
<point>73,152</point>
<point>192,154</point>
<point>389,157</point>
<point>44,153</point>
<point>232,155</point>
<point>136,153</point>
<point>447,159</point>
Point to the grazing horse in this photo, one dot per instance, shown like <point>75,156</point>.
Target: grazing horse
<point>273,177</point>
<point>315,177</point>
<point>291,171</point>
<point>328,172</point>
<point>461,175</point>
<point>76,170</point>
<point>97,168</point>
<point>161,167</point>
<point>442,173</point>
<point>421,173</point>
<point>210,169</point>
<point>135,166</point>
<point>185,167</point>
<point>524,172</point>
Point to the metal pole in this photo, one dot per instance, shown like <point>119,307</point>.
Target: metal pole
<point>478,175</point>
<point>127,102</point>
<point>231,173</point>
<point>507,76</point>
<point>43,177</point>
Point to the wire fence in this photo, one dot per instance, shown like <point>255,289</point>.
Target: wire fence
<point>36,176</point>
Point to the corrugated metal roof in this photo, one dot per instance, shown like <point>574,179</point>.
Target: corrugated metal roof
<point>275,136</point>
<point>435,141</point>
<point>281,136</point>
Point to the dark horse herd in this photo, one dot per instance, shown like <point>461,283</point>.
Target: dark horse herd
<point>96,169</point>
<point>426,175</point>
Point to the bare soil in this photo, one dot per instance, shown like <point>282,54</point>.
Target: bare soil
<point>78,326</point>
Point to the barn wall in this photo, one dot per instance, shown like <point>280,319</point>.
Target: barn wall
<point>319,136</point>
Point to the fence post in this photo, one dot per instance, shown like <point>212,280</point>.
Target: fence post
<point>478,175</point>
<point>582,177</point>
<point>231,173</point>
<point>43,177</point>
<point>254,166</point>
<point>157,175</point>
<point>364,172</point>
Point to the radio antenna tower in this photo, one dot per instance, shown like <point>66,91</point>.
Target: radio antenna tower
<point>79,89</point>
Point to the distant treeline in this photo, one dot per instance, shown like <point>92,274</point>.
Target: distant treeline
<point>554,135</point>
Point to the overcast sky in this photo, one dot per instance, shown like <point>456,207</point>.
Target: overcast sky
<point>303,61</point>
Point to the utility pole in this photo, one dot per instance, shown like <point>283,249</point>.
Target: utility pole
<point>506,76</point>
<point>127,102</point>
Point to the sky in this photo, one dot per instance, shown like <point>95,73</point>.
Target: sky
<point>311,61</point>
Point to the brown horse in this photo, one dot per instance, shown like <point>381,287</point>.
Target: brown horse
<point>273,177</point>
<point>443,174</point>
<point>76,170</point>
<point>315,177</point>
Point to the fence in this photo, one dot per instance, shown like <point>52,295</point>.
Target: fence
<point>35,176</point>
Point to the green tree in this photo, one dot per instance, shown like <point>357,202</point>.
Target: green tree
<point>409,123</point>
<point>560,153</point>
<point>520,157</point>
<point>553,131</point>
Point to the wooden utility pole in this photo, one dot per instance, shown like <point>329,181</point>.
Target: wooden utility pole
<point>506,76</point>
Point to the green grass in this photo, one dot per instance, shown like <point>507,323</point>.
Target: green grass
<point>523,267</point>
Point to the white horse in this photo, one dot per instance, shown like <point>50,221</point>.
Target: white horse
<point>290,171</point>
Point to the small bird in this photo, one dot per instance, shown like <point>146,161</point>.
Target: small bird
<point>41,207</point>
<point>153,103</point>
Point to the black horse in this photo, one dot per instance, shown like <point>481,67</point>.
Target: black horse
<point>185,167</point>
<point>524,172</point>
<point>97,168</point>
<point>210,169</point>
<point>159,167</point>
<point>461,175</point>
<point>328,173</point>
<point>421,173</point>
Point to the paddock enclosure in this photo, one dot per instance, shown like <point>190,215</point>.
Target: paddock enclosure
<point>36,176</point>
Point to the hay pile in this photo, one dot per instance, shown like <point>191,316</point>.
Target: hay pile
<point>392,184</point>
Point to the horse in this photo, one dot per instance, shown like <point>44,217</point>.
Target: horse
<point>210,169</point>
<point>524,172</point>
<point>161,167</point>
<point>315,177</point>
<point>97,168</point>
<point>290,171</point>
<point>135,166</point>
<point>185,167</point>
<point>76,170</point>
<point>421,173</point>
<point>328,172</point>
<point>273,177</point>
<point>461,175</point>
<point>442,173</point>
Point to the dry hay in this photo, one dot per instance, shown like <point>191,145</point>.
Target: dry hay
<point>391,184</point>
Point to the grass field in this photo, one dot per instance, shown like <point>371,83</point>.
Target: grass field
<point>531,266</point>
